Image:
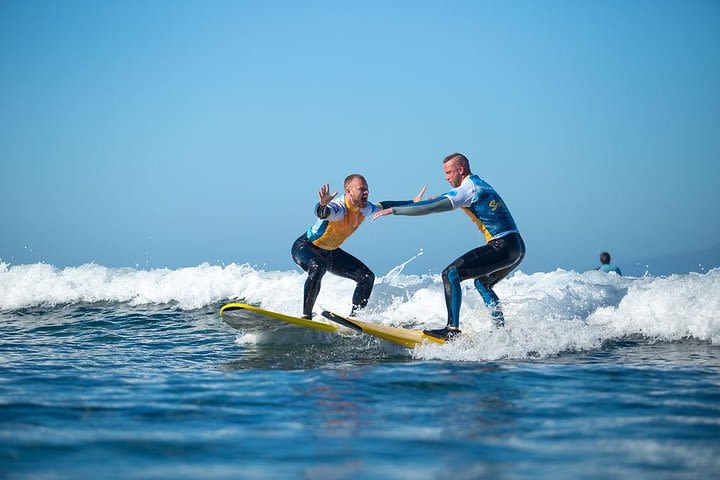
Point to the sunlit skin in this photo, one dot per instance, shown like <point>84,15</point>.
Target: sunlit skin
<point>455,171</point>
<point>324,194</point>
<point>356,193</point>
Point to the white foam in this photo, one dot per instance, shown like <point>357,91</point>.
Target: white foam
<point>546,313</point>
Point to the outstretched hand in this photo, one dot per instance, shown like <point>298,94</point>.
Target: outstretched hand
<point>388,211</point>
<point>382,213</point>
<point>418,197</point>
<point>325,196</point>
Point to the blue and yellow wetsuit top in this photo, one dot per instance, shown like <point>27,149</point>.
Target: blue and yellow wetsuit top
<point>484,207</point>
<point>478,199</point>
<point>338,220</point>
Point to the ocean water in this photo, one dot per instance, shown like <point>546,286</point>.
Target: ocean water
<point>126,373</point>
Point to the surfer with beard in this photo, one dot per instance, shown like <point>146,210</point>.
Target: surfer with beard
<point>318,251</point>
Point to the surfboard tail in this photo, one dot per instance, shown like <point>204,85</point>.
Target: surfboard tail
<point>302,322</point>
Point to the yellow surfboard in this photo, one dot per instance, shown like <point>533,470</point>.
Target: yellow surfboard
<point>302,322</point>
<point>399,336</point>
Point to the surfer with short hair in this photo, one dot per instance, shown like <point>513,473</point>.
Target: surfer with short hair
<point>487,265</point>
<point>606,266</point>
<point>318,251</point>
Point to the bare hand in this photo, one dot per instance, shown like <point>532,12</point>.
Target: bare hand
<point>382,213</point>
<point>418,197</point>
<point>325,196</point>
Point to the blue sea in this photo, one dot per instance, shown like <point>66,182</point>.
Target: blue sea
<point>130,373</point>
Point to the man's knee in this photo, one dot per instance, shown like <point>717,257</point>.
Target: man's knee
<point>315,270</point>
<point>486,292</point>
<point>482,283</point>
<point>450,274</point>
<point>366,278</point>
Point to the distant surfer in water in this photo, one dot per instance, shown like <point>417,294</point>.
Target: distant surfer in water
<point>488,264</point>
<point>318,251</point>
<point>605,264</point>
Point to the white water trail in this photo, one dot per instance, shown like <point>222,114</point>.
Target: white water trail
<point>546,313</point>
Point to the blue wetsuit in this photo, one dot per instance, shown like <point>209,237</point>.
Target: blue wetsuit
<point>488,264</point>
<point>609,267</point>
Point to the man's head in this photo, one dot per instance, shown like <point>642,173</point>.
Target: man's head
<point>356,190</point>
<point>604,258</point>
<point>457,167</point>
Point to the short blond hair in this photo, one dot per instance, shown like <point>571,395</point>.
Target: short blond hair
<point>352,177</point>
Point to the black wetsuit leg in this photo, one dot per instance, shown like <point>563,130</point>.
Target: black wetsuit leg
<point>314,261</point>
<point>484,286</point>
<point>489,281</point>
<point>345,265</point>
<point>488,265</point>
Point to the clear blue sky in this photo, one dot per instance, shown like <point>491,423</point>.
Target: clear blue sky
<point>168,133</point>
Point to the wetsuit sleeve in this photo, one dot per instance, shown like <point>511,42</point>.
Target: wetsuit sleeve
<point>322,211</point>
<point>392,203</point>
<point>426,207</point>
<point>461,196</point>
<point>331,211</point>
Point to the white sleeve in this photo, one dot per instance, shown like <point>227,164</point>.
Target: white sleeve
<point>337,209</point>
<point>461,196</point>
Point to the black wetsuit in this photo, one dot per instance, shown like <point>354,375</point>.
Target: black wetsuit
<point>487,265</point>
<point>318,250</point>
<point>316,262</point>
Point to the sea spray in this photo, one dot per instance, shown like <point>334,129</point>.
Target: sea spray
<point>547,313</point>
